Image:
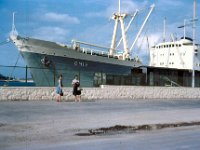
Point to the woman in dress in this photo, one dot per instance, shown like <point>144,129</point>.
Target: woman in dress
<point>76,89</point>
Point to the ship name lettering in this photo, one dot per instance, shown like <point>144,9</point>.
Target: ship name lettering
<point>80,63</point>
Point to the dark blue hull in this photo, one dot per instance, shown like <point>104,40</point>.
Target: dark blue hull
<point>45,70</point>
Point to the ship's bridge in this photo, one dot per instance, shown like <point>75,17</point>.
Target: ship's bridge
<point>179,43</point>
<point>186,41</point>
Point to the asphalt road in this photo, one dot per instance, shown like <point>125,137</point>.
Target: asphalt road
<point>52,125</point>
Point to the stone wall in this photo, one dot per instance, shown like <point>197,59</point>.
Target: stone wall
<point>104,92</point>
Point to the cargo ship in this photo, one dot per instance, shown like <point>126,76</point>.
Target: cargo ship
<point>92,63</point>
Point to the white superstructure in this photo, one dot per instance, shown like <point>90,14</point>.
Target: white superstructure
<point>176,54</point>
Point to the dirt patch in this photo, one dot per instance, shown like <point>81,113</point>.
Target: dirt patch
<point>2,124</point>
<point>119,129</point>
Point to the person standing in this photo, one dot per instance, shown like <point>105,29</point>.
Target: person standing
<point>76,89</point>
<point>59,90</point>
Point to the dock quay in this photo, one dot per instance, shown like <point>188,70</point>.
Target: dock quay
<point>98,93</point>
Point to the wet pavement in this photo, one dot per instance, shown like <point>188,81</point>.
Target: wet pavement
<point>52,125</point>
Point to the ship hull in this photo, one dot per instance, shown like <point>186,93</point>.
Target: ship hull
<point>47,60</point>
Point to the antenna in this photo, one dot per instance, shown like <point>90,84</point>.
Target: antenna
<point>194,23</point>
<point>119,6</point>
<point>164,30</point>
<point>184,30</point>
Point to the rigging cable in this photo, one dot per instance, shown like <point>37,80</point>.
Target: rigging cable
<point>13,69</point>
<point>5,42</point>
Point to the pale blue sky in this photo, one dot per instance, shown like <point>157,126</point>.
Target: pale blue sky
<point>89,21</point>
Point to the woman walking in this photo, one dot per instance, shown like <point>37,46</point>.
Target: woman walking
<point>59,90</point>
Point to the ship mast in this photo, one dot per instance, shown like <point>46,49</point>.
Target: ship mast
<point>14,31</point>
<point>119,17</point>
<point>128,26</point>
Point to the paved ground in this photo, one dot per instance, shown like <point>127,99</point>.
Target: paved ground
<point>51,125</point>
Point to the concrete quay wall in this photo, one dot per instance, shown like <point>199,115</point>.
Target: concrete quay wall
<point>103,92</point>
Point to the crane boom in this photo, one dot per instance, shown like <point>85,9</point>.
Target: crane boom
<point>142,27</point>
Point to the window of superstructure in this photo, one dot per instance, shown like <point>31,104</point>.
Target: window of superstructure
<point>179,45</point>
<point>161,63</point>
<point>169,45</point>
<point>183,54</point>
<point>187,43</point>
<point>172,45</point>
